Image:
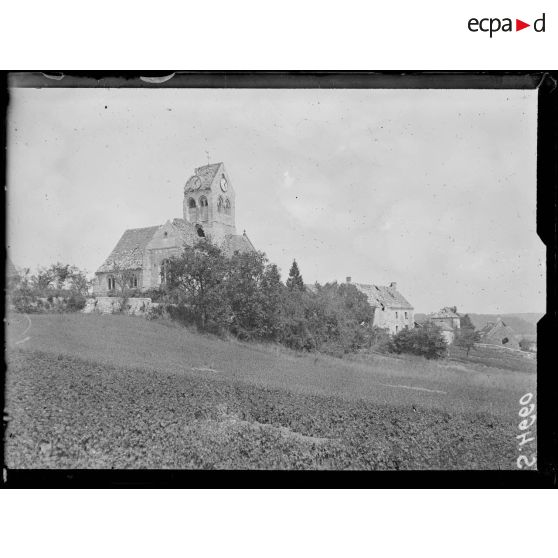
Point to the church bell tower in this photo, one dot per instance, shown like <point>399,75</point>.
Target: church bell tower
<point>209,202</point>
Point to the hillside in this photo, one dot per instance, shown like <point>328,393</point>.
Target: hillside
<point>118,391</point>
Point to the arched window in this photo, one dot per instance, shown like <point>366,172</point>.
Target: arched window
<point>192,210</point>
<point>111,283</point>
<point>227,206</point>
<point>164,271</point>
<point>199,230</point>
<point>203,208</point>
<point>133,283</point>
<point>220,204</point>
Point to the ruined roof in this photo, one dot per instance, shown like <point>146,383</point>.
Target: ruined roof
<point>446,312</point>
<point>237,243</point>
<point>203,177</point>
<point>492,327</point>
<point>128,253</point>
<point>187,231</point>
<point>381,296</point>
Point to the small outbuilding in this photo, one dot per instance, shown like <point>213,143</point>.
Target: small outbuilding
<point>498,333</point>
<point>447,316</point>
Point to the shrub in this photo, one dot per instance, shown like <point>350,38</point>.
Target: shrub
<point>156,295</point>
<point>60,288</point>
<point>424,341</point>
<point>380,340</point>
<point>466,337</point>
<point>155,312</point>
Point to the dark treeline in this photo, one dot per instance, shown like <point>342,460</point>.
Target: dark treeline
<point>244,295</point>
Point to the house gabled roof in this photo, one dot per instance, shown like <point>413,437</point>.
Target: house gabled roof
<point>492,327</point>
<point>129,251</point>
<point>446,312</point>
<point>203,175</point>
<point>383,297</point>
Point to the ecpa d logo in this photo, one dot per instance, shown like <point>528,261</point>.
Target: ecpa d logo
<point>492,25</point>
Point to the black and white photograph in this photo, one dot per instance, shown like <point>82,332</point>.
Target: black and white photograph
<point>271,278</point>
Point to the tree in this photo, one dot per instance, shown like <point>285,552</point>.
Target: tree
<point>60,273</point>
<point>123,279</point>
<point>356,303</point>
<point>71,278</point>
<point>425,341</point>
<point>79,283</point>
<point>43,279</point>
<point>273,292</point>
<point>335,319</point>
<point>245,295</point>
<point>295,281</point>
<point>196,280</point>
<point>466,337</point>
<point>466,322</point>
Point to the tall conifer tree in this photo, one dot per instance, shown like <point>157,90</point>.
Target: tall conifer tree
<point>295,282</point>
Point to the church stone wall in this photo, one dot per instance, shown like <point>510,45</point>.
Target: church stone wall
<point>100,283</point>
<point>113,305</point>
<point>153,260</point>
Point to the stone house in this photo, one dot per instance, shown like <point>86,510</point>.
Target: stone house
<point>448,320</point>
<point>208,211</point>
<point>498,333</point>
<point>392,311</point>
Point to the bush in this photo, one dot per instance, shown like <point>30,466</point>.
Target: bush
<point>75,302</point>
<point>60,288</point>
<point>380,340</point>
<point>426,341</point>
<point>155,312</point>
<point>466,337</point>
<point>156,295</point>
<point>23,301</point>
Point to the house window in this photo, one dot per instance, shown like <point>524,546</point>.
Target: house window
<point>220,204</point>
<point>199,230</point>
<point>111,283</point>
<point>227,206</point>
<point>133,282</point>
<point>396,329</point>
<point>396,315</point>
<point>406,315</point>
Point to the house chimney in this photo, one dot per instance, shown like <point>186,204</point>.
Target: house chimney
<point>393,285</point>
<point>348,279</point>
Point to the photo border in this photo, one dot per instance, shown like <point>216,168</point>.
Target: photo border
<point>547,204</point>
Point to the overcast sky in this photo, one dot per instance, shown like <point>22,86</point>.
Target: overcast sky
<point>435,190</point>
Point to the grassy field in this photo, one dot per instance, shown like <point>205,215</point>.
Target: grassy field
<point>117,391</point>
